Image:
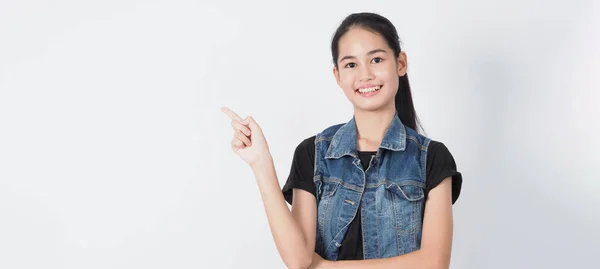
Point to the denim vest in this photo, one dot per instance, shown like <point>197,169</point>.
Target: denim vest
<point>391,190</point>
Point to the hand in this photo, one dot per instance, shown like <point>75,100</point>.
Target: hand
<point>318,262</point>
<point>248,140</point>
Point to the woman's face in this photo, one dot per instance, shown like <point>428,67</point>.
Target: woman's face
<point>368,70</point>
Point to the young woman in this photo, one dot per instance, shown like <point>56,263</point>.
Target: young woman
<point>368,193</point>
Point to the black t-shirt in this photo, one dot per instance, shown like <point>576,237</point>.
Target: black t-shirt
<point>440,164</point>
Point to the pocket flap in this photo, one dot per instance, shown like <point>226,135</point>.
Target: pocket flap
<point>329,189</point>
<point>411,190</point>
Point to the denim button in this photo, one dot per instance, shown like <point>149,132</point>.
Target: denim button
<point>338,244</point>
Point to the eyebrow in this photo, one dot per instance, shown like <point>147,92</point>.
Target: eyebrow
<point>368,53</point>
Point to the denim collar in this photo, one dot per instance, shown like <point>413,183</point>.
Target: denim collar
<point>344,140</point>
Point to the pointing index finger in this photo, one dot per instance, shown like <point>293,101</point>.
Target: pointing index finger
<point>230,113</point>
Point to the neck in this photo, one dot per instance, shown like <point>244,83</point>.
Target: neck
<point>371,127</point>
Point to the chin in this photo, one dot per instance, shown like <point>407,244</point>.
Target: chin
<point>370,107</point>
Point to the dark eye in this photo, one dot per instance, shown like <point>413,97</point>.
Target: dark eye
<point>376,60</point>
<point>350,65</point>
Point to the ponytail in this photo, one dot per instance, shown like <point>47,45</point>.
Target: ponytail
<point>404,105</point>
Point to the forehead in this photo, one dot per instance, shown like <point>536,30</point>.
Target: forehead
<point>358,41</point>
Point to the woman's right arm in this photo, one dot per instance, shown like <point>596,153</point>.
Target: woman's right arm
<point>293,232</point>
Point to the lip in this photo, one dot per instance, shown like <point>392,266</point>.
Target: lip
<point>367,86</point>
<point>370,93</point>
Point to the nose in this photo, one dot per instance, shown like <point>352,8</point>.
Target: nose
<point>366,73</point>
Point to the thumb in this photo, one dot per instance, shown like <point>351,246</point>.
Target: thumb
<point>251,123</point>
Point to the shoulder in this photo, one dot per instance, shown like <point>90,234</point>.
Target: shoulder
<point>306,148</point>
<point>308,142</point>
<point>416,138</point>
<point>437,148</point>
<point>439,157</point>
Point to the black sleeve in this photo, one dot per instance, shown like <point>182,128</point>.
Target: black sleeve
<point>440,165</point>
<point>302,170</point>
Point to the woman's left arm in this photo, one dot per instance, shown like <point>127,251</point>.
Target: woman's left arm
<point>436,240</point>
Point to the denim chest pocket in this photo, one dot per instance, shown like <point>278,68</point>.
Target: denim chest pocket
<point>328,189</point>
<point>404,204</point>
<point>411,190</point>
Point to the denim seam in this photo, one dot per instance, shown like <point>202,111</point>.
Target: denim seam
<point>406,182</point>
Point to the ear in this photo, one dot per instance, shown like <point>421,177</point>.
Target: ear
<point>336,74</point>
<point>402,64</point>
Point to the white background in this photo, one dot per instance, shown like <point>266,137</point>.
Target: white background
<point>114,154</point>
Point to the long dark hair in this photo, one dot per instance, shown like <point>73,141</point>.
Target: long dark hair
<point>382,26</point>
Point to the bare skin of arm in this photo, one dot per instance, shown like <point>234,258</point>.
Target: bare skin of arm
<point>293,231</point>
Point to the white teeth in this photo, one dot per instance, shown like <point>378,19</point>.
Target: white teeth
<point>367,90</point>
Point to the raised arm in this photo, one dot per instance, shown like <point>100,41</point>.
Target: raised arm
<point>293,231</point>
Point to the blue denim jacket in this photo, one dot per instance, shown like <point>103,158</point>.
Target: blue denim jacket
<point>392,190</point>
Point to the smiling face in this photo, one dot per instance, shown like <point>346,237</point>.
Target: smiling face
<point>368,70</point>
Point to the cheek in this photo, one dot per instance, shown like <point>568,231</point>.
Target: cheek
<point>347,81</point>
<point>386,73</point>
